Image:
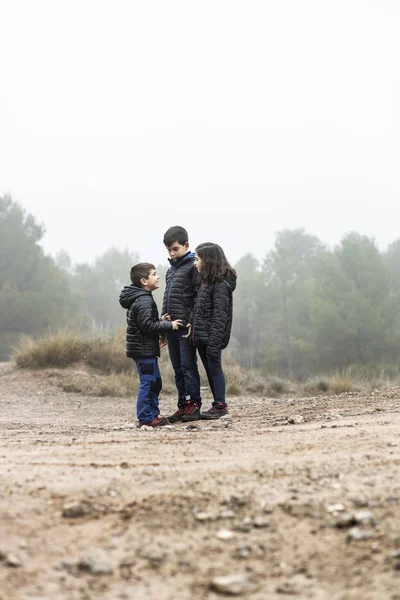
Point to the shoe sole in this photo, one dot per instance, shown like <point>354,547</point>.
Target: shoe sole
<point>187,418</point>
<point>206,417</point>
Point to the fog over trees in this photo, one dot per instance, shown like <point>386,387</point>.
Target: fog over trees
<point>305,309</point>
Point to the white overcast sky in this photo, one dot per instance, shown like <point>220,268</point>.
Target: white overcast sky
<point>233,118</point>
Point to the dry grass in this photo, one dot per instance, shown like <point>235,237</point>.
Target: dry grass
<point>316,386</point>
<point>117,385</point>
<point>105,371</point>
<point>108,356</point>
<point>347,380</point>
<point>59,350</point>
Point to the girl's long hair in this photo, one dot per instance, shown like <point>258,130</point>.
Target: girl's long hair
<point>214,263</point>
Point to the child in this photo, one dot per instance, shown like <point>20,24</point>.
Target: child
<point>142,339</point>
<point>182,283</point>
<point>211,321</point>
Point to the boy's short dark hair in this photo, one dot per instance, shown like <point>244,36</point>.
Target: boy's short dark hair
<point>175,234</point>
<point>140,271</point>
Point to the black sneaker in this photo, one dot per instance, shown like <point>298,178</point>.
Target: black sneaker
<point>191,412</point>
<point>215,412</point>
<point>177,415</point>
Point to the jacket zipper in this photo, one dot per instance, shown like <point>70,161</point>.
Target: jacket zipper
<point>195,312</point>
<point>170,286</point>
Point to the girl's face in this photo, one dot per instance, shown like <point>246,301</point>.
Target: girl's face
<point>197,262</point>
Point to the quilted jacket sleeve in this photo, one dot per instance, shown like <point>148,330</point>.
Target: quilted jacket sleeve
<point>164,304</point>
<point>145,317</point>
<point>220,317</point>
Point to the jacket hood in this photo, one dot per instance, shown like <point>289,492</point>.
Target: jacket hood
<point>129,294</point>
<point>175,263</point>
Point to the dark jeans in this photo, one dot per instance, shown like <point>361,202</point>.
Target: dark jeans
<point>149,389</point>
<point>215,375</point>
<point>184,362</point>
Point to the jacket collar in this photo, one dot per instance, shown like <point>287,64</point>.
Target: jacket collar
<point>182,259</point>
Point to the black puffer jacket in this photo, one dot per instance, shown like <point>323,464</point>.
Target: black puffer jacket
<point>182,283</point>
<point>212,315</point>
<point>143,323</point>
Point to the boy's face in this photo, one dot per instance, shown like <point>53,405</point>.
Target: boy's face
<point>151,282</point>
<point>177,250</point>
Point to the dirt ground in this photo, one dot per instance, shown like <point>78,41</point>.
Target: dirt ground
<point>253,506</point>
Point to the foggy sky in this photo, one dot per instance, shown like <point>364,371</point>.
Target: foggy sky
<point>233,118</point>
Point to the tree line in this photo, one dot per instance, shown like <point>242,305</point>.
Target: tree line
<point>305,309</point>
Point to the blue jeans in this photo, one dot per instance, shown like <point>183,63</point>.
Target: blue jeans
<point>149,389</point>
<point>184,362</point>
<point>215,375</point>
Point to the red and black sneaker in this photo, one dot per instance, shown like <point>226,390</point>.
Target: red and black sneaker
<point>215,412</point>
<point>177,415</point>
<point>157,422</point>
<point>191,412</point>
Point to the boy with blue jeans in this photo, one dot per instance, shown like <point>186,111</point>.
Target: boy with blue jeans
<point>182,284</point>
<point>142,339</point>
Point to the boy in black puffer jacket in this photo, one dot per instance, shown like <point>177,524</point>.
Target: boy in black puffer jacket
<point>182,284</point>
<point>142,339</point>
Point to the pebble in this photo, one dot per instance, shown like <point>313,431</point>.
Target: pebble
<point>266,508</point>
<point>154,555</point>
<point>233,585</point>
<point>226,418</point>
<point>362,517</point>
<point>225,535</point>
<point>335,508</point>
<point>295,420</point>
<point>357,535</point>
<point>288,589</point>
<point>13,561</point>
<point>259,522</point>
<point>192,427</point>
<point>204,516</point>
<point>125,427</point>
<point>227,514</point>
<point>74,510</point>
<point>96,563</point>
<point>332,415</point>
<point>243,551</point>
<point>245,526</point>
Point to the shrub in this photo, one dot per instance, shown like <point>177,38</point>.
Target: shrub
<point>119,385</point>
<point>346,381</point>
<point>51,350</point>
<point>235,378</point>
<point>277,386</point>
<point>108,356</point>
<point>317,385</point>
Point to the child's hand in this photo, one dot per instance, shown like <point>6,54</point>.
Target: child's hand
<point>165,317</point>
<point>176,324</point>
<point>189,329</point>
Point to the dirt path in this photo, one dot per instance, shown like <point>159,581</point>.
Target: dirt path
<point>89,509</point>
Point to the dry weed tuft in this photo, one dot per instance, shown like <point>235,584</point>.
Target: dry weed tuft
<point>58,349</point>
<point>346,381</point>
